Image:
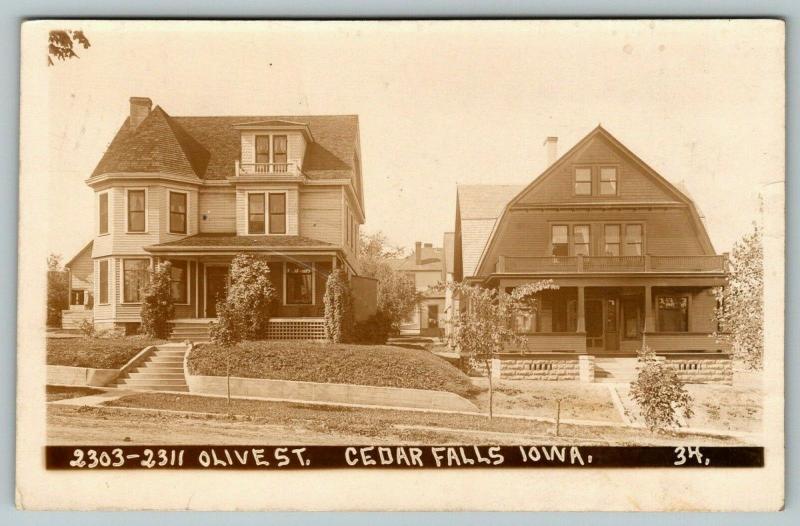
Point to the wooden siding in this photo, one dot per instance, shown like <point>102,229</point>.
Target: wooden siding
<point>81,271</point>
<point>633,184</point>
<point>220,211</point>
<point>321,214</point>
<point>291,206</point>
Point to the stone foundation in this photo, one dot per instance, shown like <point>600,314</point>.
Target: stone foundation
<point>537,368</point>
<point>702,370</point>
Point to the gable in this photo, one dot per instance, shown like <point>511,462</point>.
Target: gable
<point>634,184</point>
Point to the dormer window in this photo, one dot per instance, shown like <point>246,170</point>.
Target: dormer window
<point>279,156</point>
<point>262,153</point>
<point>583,181</point>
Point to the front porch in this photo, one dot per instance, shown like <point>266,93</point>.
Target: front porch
<point>613,321</point>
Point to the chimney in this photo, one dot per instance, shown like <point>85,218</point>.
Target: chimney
<point>428,245</point>
<point>140,109</point>
<point>418,252</point>
<point>551,147</point>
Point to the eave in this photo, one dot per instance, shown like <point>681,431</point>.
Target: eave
<point>140,177</point>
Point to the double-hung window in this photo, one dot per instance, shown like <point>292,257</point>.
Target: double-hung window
<point>608,180</point>
<point>559,239</point>
<point>103,282</point>
<point>177,213</point>
<point>279,156</point>
<point>102,219</point>
<point>277,213</point>
<point>136,210</point>
<point>256,217</point>
<point>633,240</point>
<point>299,284</point>
<point>611,240</point>
<point>135,274</point>
<point>583,181</point>
<point>262,153</point>
<point>581,244</point>
<point>179,282</point>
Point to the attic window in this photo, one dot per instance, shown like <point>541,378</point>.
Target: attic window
<point>583,181</point>
<point>608,180</point>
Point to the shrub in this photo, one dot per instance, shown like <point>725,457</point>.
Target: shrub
<point>373,331</point>
<point>86,328</point>
<point>157,308</point>
<point>57,296</point>
<point>659,393</point>
<point>250,295</point>
<point>338,302</point>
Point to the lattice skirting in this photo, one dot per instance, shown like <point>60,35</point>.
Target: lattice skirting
<point>296,329</point>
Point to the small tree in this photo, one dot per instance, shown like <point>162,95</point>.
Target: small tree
<point>397,293</point>
<point>57,290</point>
<point>485,328</point>
<point>226,334</point>
<point>659,393</point>
<point>250,295</point>
<point>740,304</point>
<point>157,305</point>
<point>338,300</point>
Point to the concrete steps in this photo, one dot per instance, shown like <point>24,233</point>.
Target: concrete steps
<point>615,370</point>
<point>191,330</point>
<point>161,371</point>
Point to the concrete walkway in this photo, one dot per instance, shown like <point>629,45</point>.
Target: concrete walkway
<point>95,400</point>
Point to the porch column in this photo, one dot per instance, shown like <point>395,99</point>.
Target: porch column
<point>649,321</point>
<point>581,325</point>
<point>333,263</point>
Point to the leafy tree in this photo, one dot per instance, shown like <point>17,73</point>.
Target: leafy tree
<point>157,305</point>
<point>397,293</point>
<point>57,296</point>
<point>486,327</point>
<point>338,302</point>
<point>250,296</point>
<point>226,334</point>
<point>54,262</point>
<point>740,304</point>
<point>659,393</point>
<point>61,45</point>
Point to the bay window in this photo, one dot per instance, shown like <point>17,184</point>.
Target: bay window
<point>102,219</point>
<point>136,210</point>
<point>134,279</point>
<point>177,212</point>
<point>103,282</point>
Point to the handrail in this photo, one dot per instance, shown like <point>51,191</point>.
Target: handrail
<point>265,169</point>
<point>648,263</point>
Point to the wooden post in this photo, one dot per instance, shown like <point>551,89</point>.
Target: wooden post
<point>649,325</point>
<point>580,262</point>
<point>581,314</point>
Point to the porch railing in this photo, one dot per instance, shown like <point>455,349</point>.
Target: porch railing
<point>703,263</point>
<point>245,169</point>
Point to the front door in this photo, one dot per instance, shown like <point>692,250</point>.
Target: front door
<point>216,283</point>
<point>594,325</point>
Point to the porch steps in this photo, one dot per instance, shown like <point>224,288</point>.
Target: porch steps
<point>192,330</point>
<point>614,370</point>
<point>161,371</point>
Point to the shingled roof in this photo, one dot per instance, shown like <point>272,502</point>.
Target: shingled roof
<point>208,147</point>
<point>232,240</point>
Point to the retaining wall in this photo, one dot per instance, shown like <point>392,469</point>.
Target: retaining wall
<point>332,393</point>
<point>702,370</point>
<point>80,376</point>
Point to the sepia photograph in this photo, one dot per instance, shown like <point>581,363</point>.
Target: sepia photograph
<point>379,259</point>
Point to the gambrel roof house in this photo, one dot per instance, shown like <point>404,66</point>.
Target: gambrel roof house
<point>198,190</point>
<point>627,249</point>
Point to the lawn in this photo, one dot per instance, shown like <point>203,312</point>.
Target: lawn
<point>377,365</point>
<point>581,401</point>
<point>314,424</point>
<point>97,353</point>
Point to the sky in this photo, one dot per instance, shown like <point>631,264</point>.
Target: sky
<point>442,104</point>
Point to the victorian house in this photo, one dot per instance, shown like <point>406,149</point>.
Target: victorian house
<point>196,191</point>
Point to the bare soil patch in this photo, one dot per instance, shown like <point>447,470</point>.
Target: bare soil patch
<point>58,392</point>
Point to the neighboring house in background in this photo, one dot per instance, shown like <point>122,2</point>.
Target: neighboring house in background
<point>196,191</point>
<point>448,273</point>
<point>80,271</point>
<point>425,267</point>
<point>628,250</point>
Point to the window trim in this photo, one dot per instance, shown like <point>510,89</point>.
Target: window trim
<point>100,282</point>
<point>188,281</point>
<point>127,210</point>
<point>313,265</point>
<point>247,213</point>
<point>122,279</point>
<point>269,214</point>
<point>575,169</point>
<point>185,214</point>
<point>674,294</point>
<point>107,194</point>
<point>552,226</point>
<point>600,179</point>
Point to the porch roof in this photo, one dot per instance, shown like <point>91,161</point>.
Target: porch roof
<point>217,242</point>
